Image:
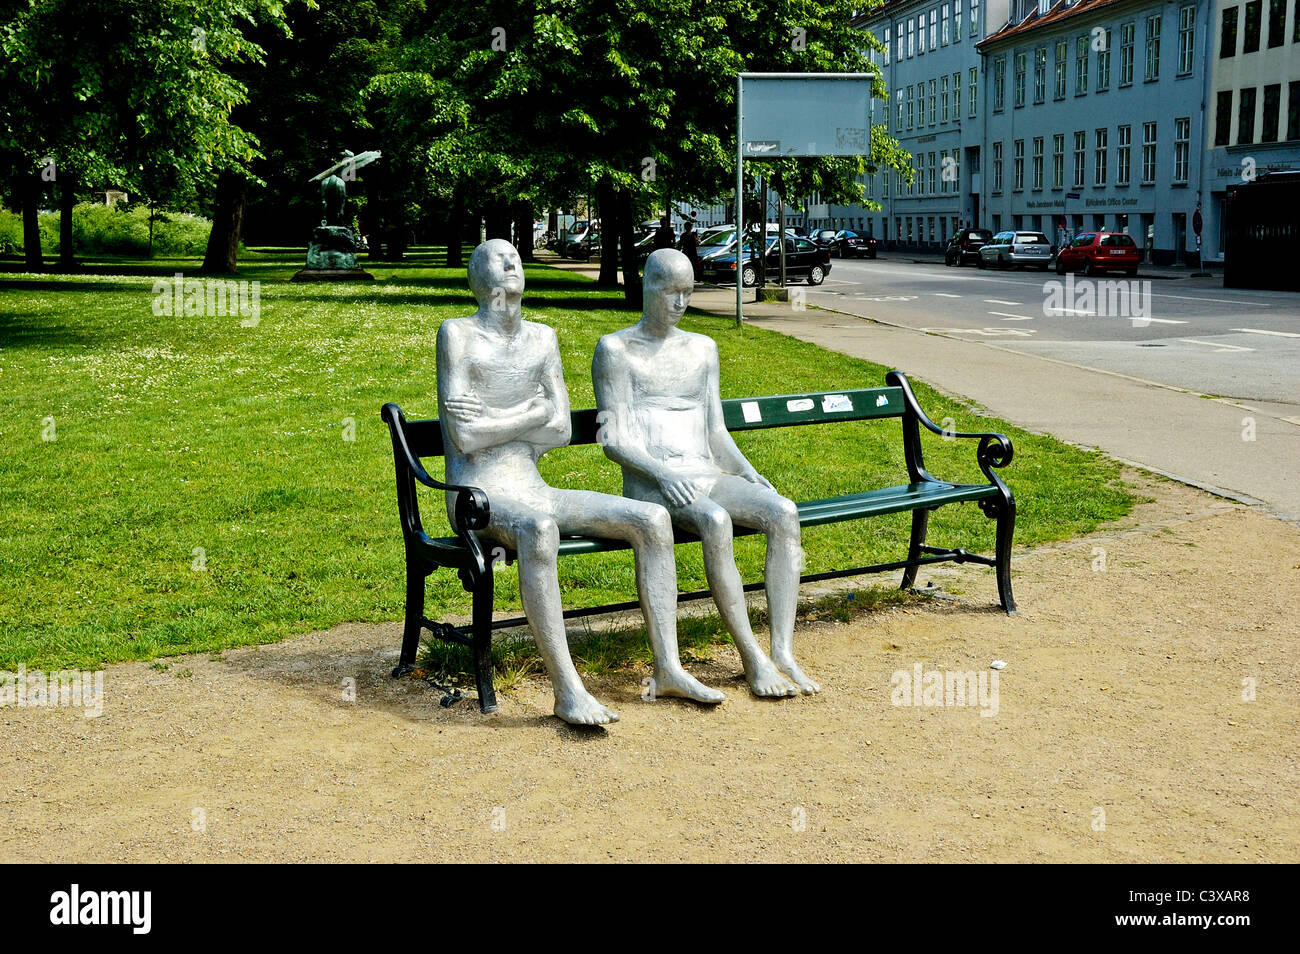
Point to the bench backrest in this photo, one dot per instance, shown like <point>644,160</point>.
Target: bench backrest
<point>741,414</point>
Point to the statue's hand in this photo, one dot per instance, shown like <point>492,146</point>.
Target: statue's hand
<point>678,492</point>
<point>468,407</point>
<point>754,477</point>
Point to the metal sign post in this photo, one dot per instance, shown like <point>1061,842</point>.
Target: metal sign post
<point>783,125</point>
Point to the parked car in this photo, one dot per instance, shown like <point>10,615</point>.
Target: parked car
<point>1011,248</point>
<point>1094,252</point>
<point>847,243</point>
<point>803,258</point>
<point>965,245</point>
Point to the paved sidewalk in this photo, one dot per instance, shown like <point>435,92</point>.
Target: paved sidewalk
<point>1176,433</point>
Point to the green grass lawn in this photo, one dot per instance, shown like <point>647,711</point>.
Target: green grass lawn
<point>213,485</point>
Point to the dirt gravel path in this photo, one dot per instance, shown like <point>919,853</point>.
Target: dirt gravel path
<point>1121,734</point>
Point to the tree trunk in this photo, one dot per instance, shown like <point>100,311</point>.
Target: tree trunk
<point>31,192</point>
<point>611,235</point>
<point>498,221</point>
<point>455,231</point>
<point>222,257</point>
<point>523,215</point>
<point>67,199</point>
<point>627,238</point>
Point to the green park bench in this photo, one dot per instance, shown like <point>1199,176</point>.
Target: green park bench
<point>470,557</point>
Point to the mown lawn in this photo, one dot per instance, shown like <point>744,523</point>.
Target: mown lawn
<point>211,485</point>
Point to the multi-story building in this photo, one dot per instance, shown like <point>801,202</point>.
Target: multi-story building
<point>1252,105</point>
<point>1093,118</point>
<point>931,68</point>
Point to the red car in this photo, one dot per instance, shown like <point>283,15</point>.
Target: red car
<point>1094,252</point>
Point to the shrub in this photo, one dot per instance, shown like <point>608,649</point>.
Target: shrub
<point>111,230</point>
<point>11,232</point>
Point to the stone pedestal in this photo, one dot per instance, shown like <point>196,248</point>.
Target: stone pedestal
<point>332,257</point>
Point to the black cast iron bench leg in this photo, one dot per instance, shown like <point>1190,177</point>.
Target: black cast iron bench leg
<point>415,577</point>
<point>1006,525</point>
<point>482,648</point>
<point>920,523</point>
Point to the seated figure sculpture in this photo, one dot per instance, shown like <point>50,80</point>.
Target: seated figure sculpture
<point>503,403</point>
<point>661,410</point>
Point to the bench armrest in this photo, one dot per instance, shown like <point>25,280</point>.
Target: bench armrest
<point>994,450</point>
<point>472,510</point>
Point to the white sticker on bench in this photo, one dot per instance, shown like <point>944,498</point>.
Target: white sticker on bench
<point>751,411</point>
<point>799,404</point>
<point>881,401</point>
<point>836,402</point>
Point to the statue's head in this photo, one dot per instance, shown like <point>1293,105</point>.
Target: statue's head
<point>495,265</point>
<point>667,285</point>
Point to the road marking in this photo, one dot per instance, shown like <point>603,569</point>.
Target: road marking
<point>1003,314</point>
<point>999,301</point>
<point>1162,321</point>
<point>945,295</point>
<point>1260,331</point>
<point>986,332</point>
<point>1217,346</point>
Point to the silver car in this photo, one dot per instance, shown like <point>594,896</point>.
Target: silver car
<point>1011,248</point>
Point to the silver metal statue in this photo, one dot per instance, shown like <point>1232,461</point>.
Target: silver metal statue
<point>503,403</point>
<point>657,389</point>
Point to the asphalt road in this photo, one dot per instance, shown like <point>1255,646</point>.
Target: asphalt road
<point>1188,333</point>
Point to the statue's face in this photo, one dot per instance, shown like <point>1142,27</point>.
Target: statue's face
<point>668,292</point>
<point>496,272</point>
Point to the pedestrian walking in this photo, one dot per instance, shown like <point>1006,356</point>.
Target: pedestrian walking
<point>691,248</point>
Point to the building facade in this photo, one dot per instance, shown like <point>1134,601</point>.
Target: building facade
<point>1253,103</point>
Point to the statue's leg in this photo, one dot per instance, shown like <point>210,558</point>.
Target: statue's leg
<point>753,505</point>
<point>535,536</point>
<point>712,525</point>
<point>648,529</point>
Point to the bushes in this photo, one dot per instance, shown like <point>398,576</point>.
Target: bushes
<point>110,230</point>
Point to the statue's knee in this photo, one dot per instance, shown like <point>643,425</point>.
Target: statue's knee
<point>784,518</point>
<point>656,526</point>
<point>539,541</point>
<point>715,525</point>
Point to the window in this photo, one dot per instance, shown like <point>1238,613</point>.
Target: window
<point>1058,161</point>
<point>1182,148</point>
<point>1250,43</point>
<point>1293,111</point>
<point>1040,74</point>
<point>910,107</point>
<point>1099,158</point>
<point>943,96</point>
<point>943,29</point>
<point>934,98</point>
<point>1276,22</point>
<point>934,29</point>
<point>920,33</point>
<point>1080,148</point>
<point>1018,165</point>
<point>898,104</point>
<point>1081,51</point>
<point>1153,48</point>
<point>1020,79</point>
<point>974,17</point>
<point>1223,118</point>
<point>887,43</point>
<point>1148,153</point>
<point>956,96</point>
<point>1103,62</point>
<point>911,37</point>
<point>956,21</point>
<point>1126,33</point>
<point>974,85</point>
<point>999,83</point>
<point>997,167</point>
<point>1272,105</point>
<point>1246,117</point>
<point>1123,155</point>
<point>1038,164</point>
<point>898,41</point>
<point>1062,53</point>
<point>1186,39</point>
<point>932,165</point>
<point>1228,33</point>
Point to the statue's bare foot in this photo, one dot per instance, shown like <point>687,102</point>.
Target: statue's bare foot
<point>581,708</point>
<point>766,681</point>
<point>791,668</point>
<point>678,682</point>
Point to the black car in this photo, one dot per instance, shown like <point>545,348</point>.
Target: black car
<point>965,245</point>
<point>849,244</point>
<point>803,258</point>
